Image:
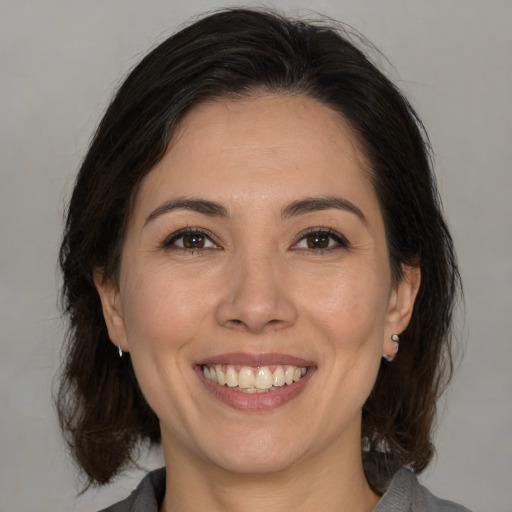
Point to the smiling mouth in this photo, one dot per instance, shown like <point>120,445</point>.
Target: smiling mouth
<point>249,379</point>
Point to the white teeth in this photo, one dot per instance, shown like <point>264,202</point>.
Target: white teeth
<point>264,378</point>
<point>279,376</point>
<point>231,377</point>
<point>288,376</point>
<point>246,378</point>
<point>220,375</point>
<point>253,380</point>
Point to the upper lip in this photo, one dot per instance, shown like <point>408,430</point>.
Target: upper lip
<point>252,359</point>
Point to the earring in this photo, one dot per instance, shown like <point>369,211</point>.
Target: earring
<point>120,351</point>
<point>396,339</point>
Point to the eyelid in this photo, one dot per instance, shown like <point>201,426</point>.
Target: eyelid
<point>169,240</point>
<point>341,240</point>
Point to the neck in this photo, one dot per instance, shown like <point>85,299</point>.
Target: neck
<point>331,482</point>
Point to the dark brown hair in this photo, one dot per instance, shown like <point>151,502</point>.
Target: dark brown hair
<point>236,53</point>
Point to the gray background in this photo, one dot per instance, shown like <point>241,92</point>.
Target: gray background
<point>60,62</point>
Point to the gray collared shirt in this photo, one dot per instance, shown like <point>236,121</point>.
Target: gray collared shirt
<point>404,494</point>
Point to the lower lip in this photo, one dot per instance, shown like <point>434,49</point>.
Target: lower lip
<point>255,401</point>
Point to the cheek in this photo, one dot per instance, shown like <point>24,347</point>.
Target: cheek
<point>162,315</point>
<point>351,305</point>
<point>163,311</point>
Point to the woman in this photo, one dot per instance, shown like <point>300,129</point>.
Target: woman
<point>258,274</point>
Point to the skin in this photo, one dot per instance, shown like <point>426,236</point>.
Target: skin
<point>257,287</point>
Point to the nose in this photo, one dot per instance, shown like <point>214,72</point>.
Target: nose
<point>258,297</point>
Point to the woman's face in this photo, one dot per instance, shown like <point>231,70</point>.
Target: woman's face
<point>256,255</point>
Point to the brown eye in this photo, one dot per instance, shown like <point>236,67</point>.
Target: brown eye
<point>193,241</point>
<point>321,240</point>
<point>318,241</point>
<point>190,240</point>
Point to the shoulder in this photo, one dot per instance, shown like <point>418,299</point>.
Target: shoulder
<point>147,497</point>
<point>406,494</point>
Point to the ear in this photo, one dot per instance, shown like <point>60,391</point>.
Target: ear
<point>401,304</point>
<point>112,309</point>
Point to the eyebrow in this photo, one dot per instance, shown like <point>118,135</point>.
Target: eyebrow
<point>314,204</point>
<point>299,207</point>
<point>202,206</point>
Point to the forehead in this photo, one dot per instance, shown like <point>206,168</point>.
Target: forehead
<point>277,142</point>
<point>268,121</point>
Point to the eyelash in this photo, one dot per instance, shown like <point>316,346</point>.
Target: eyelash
<point>340,241</point>
<point>170,242</point>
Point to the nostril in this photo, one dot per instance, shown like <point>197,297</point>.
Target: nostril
<point>237,324</point>
<point>234,323</point>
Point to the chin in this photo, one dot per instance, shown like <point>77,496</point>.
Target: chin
<point>255,464</point>
<point>260,454</point>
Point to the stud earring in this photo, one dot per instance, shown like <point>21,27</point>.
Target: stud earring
<point>120,351</point>
<point>396,339</point>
